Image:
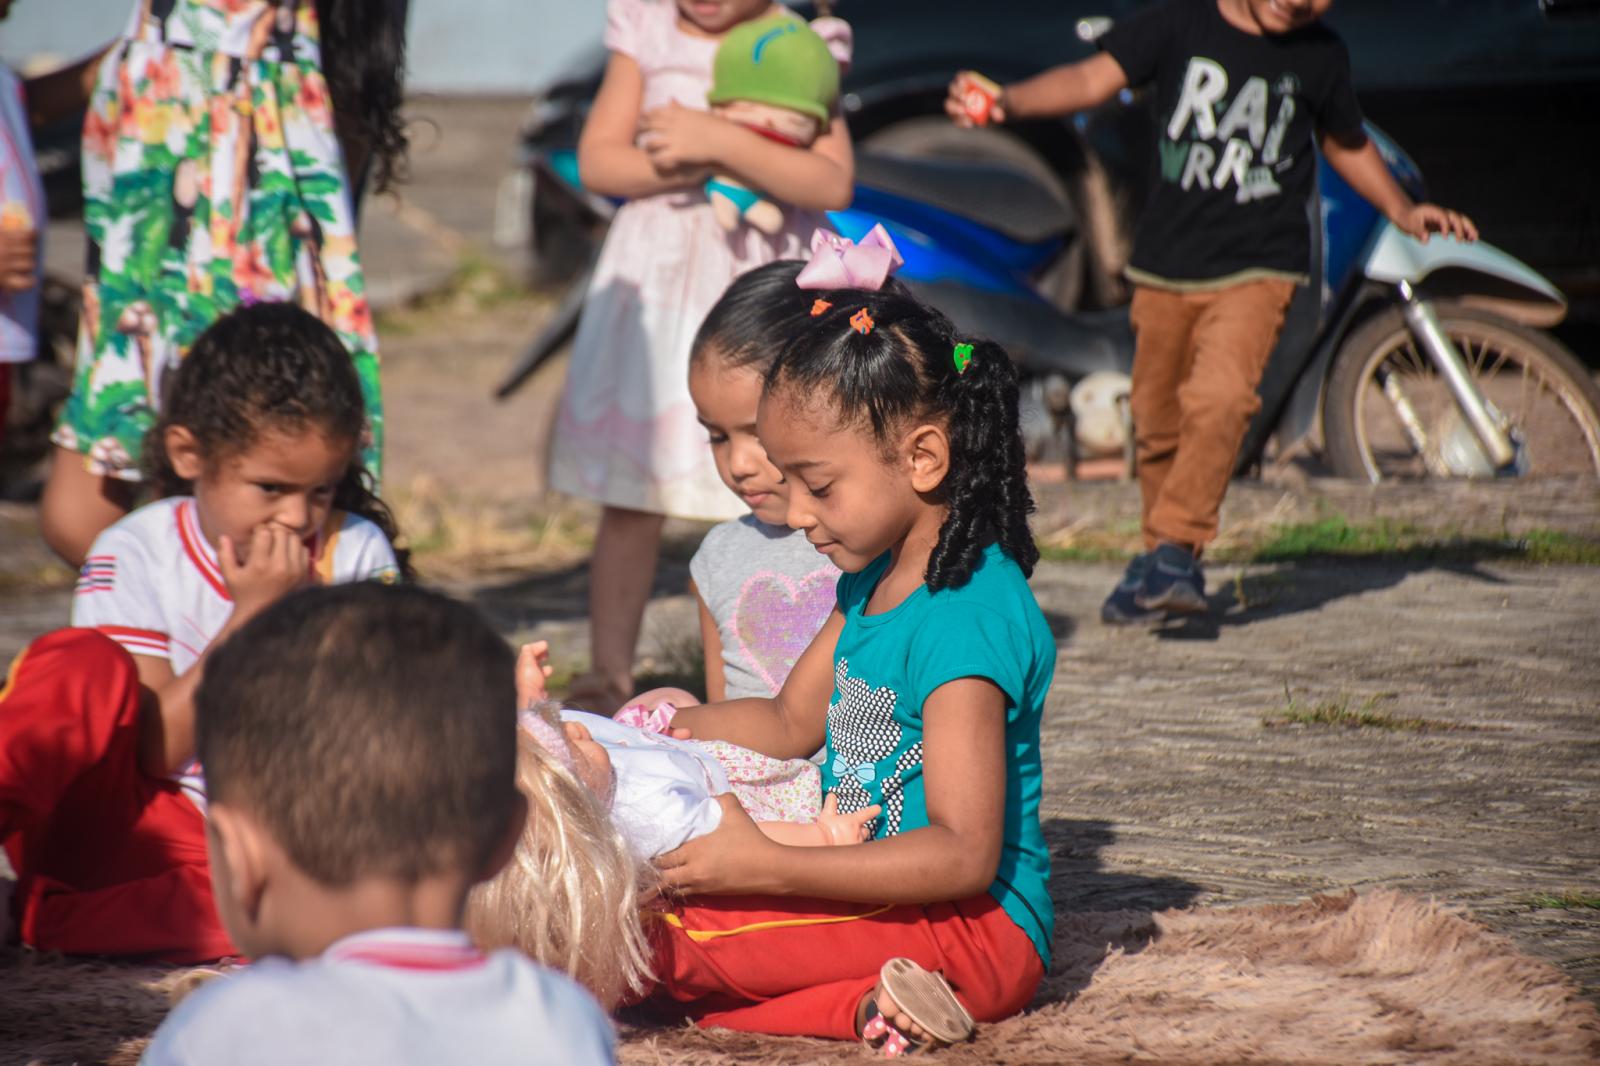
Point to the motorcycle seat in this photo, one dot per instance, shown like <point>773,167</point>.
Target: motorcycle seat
<point>993,195</point>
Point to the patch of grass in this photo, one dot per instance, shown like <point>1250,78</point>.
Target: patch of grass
<point>1343,713</point>
<point>43,576</point>
<point>1085,542</point>
<point>1554,546</point>
<point>1570,900</point>
<point>1330,537</point>
<point>1337,537</point>
<point>450,535</point>
<point>477,284</point>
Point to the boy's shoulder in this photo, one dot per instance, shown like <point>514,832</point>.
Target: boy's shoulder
<point>503,1009</point>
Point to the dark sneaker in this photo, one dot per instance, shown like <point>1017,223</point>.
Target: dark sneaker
<point>1173,583</point>
<point>1122,607</point>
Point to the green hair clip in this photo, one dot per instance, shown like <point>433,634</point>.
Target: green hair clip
<point>962,356</point>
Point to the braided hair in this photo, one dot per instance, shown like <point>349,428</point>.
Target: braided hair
<point>903,371</point>
<point>262,368</point>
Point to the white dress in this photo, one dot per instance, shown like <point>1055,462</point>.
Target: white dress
<point>626,434</point>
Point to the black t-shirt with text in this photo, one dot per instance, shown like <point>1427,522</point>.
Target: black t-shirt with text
<point>1235,162</point>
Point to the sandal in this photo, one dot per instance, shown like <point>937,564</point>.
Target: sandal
<point>925,998</point>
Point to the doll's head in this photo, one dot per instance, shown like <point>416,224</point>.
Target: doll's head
<point>574,747</point>
<point>570,896</point>
<point>777,76</point>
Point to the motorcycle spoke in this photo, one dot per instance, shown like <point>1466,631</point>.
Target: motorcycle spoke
<point>1410,424</point>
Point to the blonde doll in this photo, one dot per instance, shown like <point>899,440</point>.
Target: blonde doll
<point>606,798</point>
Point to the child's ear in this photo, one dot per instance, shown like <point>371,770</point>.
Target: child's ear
<point>507,845</point>
<point>237,846</point>
<point>183,452</point>
<point>927,453</point>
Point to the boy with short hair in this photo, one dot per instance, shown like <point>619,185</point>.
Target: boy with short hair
<point>359,746</point>
<point>1242,88</point>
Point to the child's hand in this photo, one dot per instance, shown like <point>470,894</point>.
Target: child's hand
<point>1422,219</point>
<point>277,565</point>
<point>19,257</point>
<point>846,828</point>
<point>973,100</point>
<point>728,859</point>
<point>677,138</point>
<point>533,667</point>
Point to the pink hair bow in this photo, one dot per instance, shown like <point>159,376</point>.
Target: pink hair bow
<point>840,263</point>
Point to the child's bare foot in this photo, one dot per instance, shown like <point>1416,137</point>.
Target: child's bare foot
<point>911,1008</point>
<point>533,666</point>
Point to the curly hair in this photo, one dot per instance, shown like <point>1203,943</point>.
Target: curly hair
<point>260,368</point>
<point>572,893</point>
<point>903,371</point>
<point>363,62</point>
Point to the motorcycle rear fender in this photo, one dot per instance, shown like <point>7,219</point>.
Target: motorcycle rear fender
<point>1476,273</point>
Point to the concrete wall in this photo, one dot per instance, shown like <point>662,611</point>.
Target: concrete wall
<point>457,46</point>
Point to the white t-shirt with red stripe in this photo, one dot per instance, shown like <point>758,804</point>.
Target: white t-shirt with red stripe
<point>389,997</point>
<point>151,583</point>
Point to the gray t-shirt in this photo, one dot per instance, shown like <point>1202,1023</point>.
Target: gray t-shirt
<point>769,592</point>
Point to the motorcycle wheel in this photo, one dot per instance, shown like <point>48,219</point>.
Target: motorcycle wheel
<point>1388,414</point>
<point>935,137</point>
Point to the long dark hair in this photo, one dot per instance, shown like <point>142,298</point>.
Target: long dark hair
<point>904,371</point>
<point>363,61</point>
<point>270,366</point>
<point>749,323</point>
<point>758,314</point>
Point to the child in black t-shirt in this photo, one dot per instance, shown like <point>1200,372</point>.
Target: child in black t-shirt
<point>1245,90</point>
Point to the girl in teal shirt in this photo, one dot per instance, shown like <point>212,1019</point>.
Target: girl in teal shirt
<point>899,442</point>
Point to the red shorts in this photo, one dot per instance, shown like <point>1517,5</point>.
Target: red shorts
<point>800,967</point>
<point>109,860</point>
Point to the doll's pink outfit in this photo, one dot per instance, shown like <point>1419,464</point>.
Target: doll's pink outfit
<point>626,434</point>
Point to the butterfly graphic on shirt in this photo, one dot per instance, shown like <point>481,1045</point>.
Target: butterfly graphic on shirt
<point>863,732</point>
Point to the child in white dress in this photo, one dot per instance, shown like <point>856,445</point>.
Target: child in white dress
<point>626,433</point>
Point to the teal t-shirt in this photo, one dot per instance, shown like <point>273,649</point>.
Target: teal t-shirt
<point>886,665</point>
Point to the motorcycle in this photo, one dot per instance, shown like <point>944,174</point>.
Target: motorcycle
<point>1400,359</point>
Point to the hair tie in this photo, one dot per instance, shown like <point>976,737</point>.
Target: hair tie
<point>840,263</point>
<point>962,357</point>
<point>819,307</point>
<point>861,322</point>
<point>548,736</point>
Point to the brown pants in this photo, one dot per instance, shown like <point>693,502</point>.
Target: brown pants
<point>1198,360</point>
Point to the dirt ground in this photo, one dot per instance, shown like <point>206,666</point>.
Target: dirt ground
<point>1471,772</point>
<point>1170,779</point>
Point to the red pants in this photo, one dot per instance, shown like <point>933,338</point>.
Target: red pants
<point>799,967</point>
<point>109,860</point>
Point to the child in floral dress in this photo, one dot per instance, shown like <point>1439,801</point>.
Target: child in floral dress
<point>212,177</point>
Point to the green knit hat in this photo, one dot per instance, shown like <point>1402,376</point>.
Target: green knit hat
<point>779,61</point>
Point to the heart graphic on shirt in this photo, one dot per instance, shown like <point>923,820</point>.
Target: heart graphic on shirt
<point>775,618</point>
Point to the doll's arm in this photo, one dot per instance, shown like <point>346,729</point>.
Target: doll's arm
<point>533,671</point>
<point>830,828</point>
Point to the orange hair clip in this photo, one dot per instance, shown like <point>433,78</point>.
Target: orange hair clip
<point>819,307</point>
<point>861,322</point>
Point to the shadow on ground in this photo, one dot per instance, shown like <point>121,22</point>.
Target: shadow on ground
<point>1309,584</point>
<point>1080,884</point>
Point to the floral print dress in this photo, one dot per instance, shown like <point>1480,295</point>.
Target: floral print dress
<point>211,178</point>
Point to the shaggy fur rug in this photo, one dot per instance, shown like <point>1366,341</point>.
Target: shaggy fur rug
<point>1377,979</point>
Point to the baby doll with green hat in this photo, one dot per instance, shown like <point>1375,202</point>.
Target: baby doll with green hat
<point>778,77</point>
